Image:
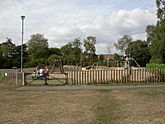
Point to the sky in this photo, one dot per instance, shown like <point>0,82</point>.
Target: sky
<point>60,21</point>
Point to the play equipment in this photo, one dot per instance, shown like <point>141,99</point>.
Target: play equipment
<point>57,67</point>
<point>127,62</point>
<point>57,72</point>
<point>91,67</point>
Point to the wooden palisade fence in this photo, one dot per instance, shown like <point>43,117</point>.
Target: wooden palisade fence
<point>116,76</point>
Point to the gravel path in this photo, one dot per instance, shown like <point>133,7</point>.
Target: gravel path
<point>84,87</point>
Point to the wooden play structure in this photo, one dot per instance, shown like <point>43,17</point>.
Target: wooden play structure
<point>93,67</point>
<point>57,72</point>
<point>57,67</point>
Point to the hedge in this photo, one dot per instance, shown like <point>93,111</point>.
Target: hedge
<point>153,65</point>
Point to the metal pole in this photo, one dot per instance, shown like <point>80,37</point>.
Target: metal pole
<point>22,17</point>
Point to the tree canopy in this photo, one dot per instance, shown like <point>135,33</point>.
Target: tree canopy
<point>139,50</point>
<point>71,52</point>
<point>156,35</point>
<point>123,43</point>
<point>37,48</point>
<point>10,54</point>
<point>90,49</point>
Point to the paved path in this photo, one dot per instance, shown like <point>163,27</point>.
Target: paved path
<point>83,87</point>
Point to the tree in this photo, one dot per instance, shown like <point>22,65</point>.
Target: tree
<point>6,53</point>
<point>38,48</point>
<point>123,43</point>
<point>7,48</point>
<point>54,54</point>
<point>89,44</point>
<point>17,56</point>
<point>1,61</point>
<point>151,31</point>
<point>52,51</point>
<point>139,51</point>
<point>67,56</point>
<point>157,36</point>
<point>77,51</point>
<point>53,57</point>
<point>160,10</point>
<point>10,54</point>
<point>109,47</point>
<point>117,57</point>
<point>71,52</point>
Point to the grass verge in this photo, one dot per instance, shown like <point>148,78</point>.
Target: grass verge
<point>124,106</point>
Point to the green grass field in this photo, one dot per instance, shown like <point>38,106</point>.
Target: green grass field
<point>126,106</point>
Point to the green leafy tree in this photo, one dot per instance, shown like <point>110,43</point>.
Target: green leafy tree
<point>123,43</point>
<point>71,52</point>
<point>52,51</point>
<point>157,38</point>
<point>77,51</point>
<point>54,54</point>
<point>1,61</point>
<point>117,57</point>
<point>10,54</point>
<point>151,31</point>
<point>139,51</point>
<point>89,44</point>
<point>38,49</point>
<point>17,56</point>
<point>53,58</point>
<point>6,53</point>
<point>2,58</point>
<point>67,56</point>
<point>7,48</point>
<point>90,49</point>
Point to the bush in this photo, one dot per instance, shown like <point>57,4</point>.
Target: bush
<point>153,65</point>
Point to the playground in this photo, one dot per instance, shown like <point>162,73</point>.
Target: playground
<point>75,75</point>
<point>97,75</point>
<point>58,74</point>
<point>86,106</point>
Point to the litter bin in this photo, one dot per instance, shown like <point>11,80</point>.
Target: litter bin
<point>2,74</point>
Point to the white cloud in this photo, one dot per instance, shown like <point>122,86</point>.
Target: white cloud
<point>105,28</point>
<point>62,21</point>
<point>108,28</point>
<point>134,21</point>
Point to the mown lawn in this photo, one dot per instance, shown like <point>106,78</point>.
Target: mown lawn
<point>127,106</point>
